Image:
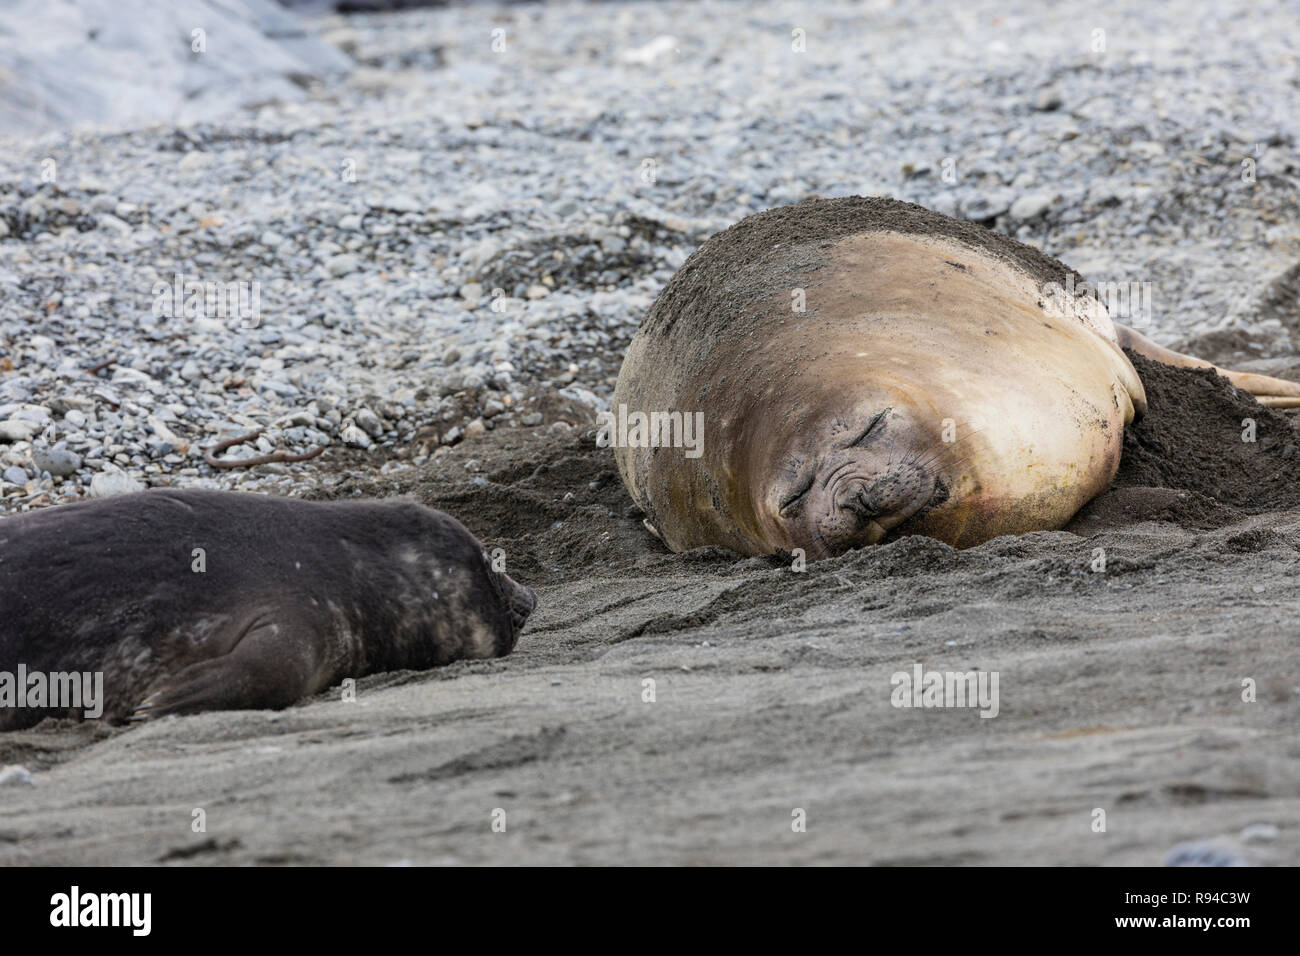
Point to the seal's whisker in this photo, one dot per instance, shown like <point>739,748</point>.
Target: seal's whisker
<point>943,450</point>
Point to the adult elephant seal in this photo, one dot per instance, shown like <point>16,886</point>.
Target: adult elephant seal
<point>195,600</point>
<point>866,368</point>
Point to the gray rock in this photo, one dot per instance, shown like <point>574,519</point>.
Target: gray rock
<point>350,434</point>
<point>1031,206</point>
<point>986,205</point>
<point>1202,853</point>
<point>341,265</point>
<point>1047,99</point>
<point>398,202</point>
<point>1259,833</point>
<point>369,422</point>
<point>114,225</point>
<point>18,429</point>
<point>58,461</point>
<point>13,775</point>
<point>112,482</point>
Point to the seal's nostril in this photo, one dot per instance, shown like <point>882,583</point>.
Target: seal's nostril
<point>860,505</point>
<point>864,508</point>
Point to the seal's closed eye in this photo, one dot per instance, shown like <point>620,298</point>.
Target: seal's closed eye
<point>871,428</point>
<point>797,495</point>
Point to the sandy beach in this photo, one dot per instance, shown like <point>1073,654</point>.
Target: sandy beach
<point>696,708</point>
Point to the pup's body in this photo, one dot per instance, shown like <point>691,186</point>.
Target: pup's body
<point>201,600</point>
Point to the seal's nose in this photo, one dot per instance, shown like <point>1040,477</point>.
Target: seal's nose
<point>862,504</point>
<point>862,510</point>
<point>852,524</point>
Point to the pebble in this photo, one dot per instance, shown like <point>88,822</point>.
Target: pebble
<point>194,161</point>
<point>1031,206</point>
<point>1201,853</point>
<point>114,224</point>
<point>341,265</point>
<point>58,461</point>
<point>1048,99</point>
<point>350,434</point>
<point>17,429</point>
<point>369,422</point>
<point>398,202</point>
<point>1259,833</point>
<point>108,483</point>
<point>13,775</point>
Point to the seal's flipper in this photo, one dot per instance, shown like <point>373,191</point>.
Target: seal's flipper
<point>1273,392</point>
<point>273,664</point>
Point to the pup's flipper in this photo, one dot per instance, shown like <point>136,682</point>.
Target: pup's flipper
<point>271,665</point>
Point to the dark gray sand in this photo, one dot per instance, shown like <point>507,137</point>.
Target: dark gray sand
<point>1119,690</point>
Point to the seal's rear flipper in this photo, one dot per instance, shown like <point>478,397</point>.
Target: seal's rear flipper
<point>1273,392</point>
<point>273,664</point>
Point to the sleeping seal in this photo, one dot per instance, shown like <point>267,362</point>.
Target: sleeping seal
<point>865,369</point>
<point>197,600</point>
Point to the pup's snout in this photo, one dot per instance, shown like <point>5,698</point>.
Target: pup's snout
<point>522,601</point>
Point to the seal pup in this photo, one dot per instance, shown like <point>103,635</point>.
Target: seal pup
<point>192,600</point>
<point>867,368</point>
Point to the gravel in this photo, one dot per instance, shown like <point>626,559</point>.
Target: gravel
<point>456,238</point>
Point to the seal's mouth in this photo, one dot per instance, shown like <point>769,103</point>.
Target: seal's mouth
<point>909,524</point>
<point>860,507</point>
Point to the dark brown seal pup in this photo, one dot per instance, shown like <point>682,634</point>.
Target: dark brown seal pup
<point>201,600</point>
